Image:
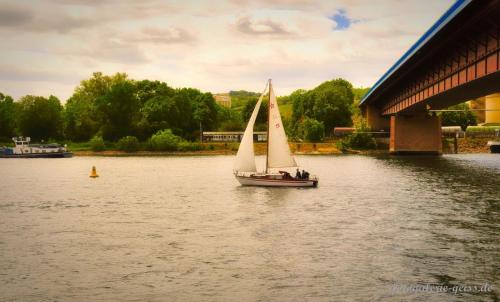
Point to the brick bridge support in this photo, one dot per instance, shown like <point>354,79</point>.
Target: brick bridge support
<point>415,134</point>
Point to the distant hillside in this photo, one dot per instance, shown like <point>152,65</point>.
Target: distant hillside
<point>359,93</point>
<point>242,93</point>
<point>241,97</point>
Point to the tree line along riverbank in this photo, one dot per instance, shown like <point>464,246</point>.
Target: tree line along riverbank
<point>112,107</point>
<point>113,113</point>
<point>465,145</point>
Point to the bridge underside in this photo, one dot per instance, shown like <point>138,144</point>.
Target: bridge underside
<point>463,65</point>
<point>461,62</point>
<point>484,86</point>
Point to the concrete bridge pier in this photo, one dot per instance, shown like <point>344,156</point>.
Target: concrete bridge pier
<point>418,133</point>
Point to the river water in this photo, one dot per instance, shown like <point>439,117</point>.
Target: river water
<point>183,229</point>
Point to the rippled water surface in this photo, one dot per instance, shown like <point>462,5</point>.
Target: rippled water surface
<point>183,229</point>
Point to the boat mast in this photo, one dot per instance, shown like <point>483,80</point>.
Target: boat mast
<point>268,123</point>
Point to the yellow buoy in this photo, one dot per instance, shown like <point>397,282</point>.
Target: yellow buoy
<point>93,174</point>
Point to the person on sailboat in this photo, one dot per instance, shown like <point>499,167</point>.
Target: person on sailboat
<point>305,175</point>
<point>297,175</point>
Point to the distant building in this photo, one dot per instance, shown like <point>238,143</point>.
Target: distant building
<point>478,104</point>
<point>223,99</point>
<point>232,136</point>
<point>491,105</point>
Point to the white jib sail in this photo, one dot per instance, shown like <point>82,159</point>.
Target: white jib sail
<point>245,158</point>
<point>279,155</point>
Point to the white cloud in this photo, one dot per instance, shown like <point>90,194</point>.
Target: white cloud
<point>266,27</point>
<point>216,46</point>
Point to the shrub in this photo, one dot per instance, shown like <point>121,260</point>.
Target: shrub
<point>164,140</point>
<point>314,131</point>
<point>97,144</point>
<point>234,146</point>
<point>362,141</point>
<point>343,144</point>
<point>481,131</point>
<point>459,118</point>
<point>189,146</point>
<point>359,140</point>
<point>128,144</point>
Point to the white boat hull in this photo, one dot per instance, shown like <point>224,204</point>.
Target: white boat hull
<point>269,182</point>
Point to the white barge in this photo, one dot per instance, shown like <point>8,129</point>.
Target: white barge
<point>23,149</point>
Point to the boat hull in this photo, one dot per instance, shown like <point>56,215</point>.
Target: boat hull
<point>38,155</point>
<point>269,182</point>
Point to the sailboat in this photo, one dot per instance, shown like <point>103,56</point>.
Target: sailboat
<point>278,152</point>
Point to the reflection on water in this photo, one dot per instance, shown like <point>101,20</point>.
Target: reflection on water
<point>181,228</point>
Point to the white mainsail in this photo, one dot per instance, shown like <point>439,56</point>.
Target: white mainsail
<point>245,158</point>
<point>279,155</point>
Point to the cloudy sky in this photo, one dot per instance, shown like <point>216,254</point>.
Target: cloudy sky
<point>49,46</point>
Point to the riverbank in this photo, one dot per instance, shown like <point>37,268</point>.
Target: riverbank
<point>465,146</point>
<point>219,149</point>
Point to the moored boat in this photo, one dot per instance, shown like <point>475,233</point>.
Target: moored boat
<point>278,157</point>
<point>495,145</point>
<point>23,149</point>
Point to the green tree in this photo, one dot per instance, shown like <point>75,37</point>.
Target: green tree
<point>459,118</point>
<point>146,90</point>
<point>332,103</point>
<point>159,112</point>
<point>248,110</point>
<point>205,111</point>
<point>119,108</point>
<point>82,118</point>
<point>359,93</point>
<point>302,104</point>
<point>99,84</point>
<point>7,117</point>
<point>40,118</point>
<point>314,131</point>
<point>229,119</point>
<point>155,99</point>
<point>185,124</point>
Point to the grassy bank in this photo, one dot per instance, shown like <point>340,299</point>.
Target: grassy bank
<point>84,149</point>
<point>465,145</point>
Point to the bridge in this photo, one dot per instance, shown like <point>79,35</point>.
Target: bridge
<point>456,60</point>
